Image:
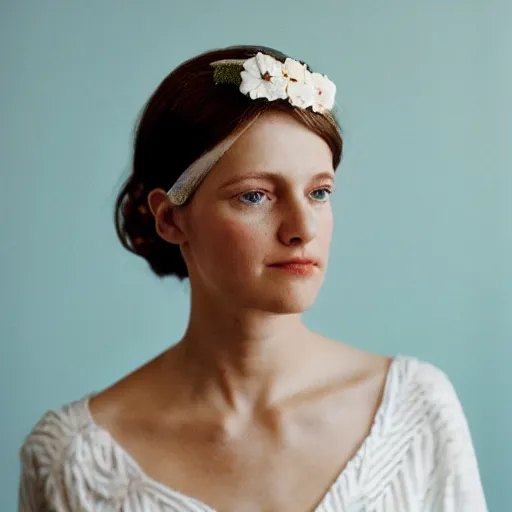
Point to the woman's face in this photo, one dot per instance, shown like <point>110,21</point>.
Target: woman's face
<point>265,201</point>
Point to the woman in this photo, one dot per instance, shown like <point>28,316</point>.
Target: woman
<point>234,163</point>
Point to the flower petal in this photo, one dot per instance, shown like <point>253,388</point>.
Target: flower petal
<point>295,70</point>
<point>252,67</point>
<point>277,88</point>
<point>267,64</point>
<point>249,82</point>
<point>300,94</point>
<point>325,90</point>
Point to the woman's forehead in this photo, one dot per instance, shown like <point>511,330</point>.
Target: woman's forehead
<point>278,145</point>
<point>276,176</point>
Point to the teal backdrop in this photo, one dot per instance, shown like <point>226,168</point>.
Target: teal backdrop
<point>423,205</point>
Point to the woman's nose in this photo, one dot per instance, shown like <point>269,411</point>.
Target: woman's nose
<point>298,223</point>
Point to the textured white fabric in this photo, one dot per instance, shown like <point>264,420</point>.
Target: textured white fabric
<point>418,456</point>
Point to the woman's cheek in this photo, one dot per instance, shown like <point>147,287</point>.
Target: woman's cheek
<point>242,240</point>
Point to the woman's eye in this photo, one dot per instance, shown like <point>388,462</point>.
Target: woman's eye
<point>255,197</point>
<point>251,197</point>
<point>324,194</point>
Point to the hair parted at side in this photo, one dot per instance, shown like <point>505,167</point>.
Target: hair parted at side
<point>187,115</point>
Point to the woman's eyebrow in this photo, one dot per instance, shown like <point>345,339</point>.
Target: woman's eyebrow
<point>269,175</point>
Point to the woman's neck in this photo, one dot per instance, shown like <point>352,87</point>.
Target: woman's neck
<point>244,361</point>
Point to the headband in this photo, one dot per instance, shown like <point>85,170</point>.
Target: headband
<point>261,76</point>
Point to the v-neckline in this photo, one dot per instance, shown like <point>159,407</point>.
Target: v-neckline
<point>167,491</point>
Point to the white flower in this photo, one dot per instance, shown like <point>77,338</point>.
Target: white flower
<point>324,92</point>
<point>266,77</point>
<point>263,78</point>
<point>300,91</point>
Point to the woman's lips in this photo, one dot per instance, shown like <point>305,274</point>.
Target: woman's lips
<point>301,269</point>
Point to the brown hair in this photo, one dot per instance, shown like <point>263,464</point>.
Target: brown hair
<point>187,115</point>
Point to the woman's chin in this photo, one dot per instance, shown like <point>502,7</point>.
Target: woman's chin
<point>287,302</point>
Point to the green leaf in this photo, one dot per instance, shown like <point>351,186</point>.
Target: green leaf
<point>228,72</point>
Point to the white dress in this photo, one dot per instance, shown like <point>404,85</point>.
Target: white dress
<point>418,456</point>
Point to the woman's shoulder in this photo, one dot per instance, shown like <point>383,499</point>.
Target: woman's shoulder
<point>63,435</point>
<point>66,452</point>
<point>417,383</point>
<point>53,442</point>
<point>421,404</point>
<point>415,393</point>
<point>406,381</point>
<point>59,424</point>
<point>53,434</point>
<point>421,427</point>
<point>422,380</point>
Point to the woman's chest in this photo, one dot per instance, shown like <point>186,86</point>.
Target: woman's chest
<point>278,466</point>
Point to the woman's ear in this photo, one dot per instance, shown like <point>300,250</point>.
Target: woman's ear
<point>165,217</point>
